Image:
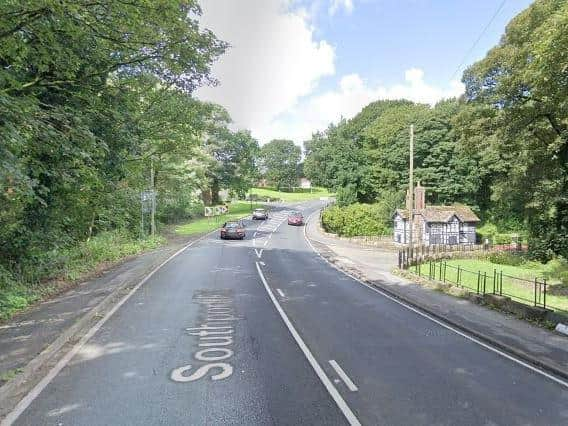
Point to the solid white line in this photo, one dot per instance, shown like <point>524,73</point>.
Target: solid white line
<point>254,235</point>
<point>265,243</point>
<point>351,418</point>
<point>280,292</point>
<point>446,326</point>
<point>33,394</point>
<point>350,385</point>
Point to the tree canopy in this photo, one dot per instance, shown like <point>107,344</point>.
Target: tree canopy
<point>279,162</point>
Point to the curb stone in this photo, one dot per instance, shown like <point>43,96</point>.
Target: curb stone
<point>443,318</point>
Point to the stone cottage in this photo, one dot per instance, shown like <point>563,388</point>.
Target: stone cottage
<point>433,225</point>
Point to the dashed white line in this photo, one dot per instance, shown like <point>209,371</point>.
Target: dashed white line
<point>280,292</point>
<point>440,323</point>
<point>348,382</point>
<point>349,415</point>
<point>265,243</point>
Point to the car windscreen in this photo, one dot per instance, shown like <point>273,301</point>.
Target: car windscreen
<point>232,225</point>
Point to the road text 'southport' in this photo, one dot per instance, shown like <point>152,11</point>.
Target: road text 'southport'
<point>215,339</point>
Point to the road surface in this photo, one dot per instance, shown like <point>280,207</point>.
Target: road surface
<point>263,331</point>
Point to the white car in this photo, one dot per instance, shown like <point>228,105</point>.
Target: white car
<point>259,214</point>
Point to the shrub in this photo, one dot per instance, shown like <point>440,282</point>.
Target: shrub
<point>504,258</point>
<point>346,195</point>
<point>357,220</point>
<point>502,239</point>
<point>557,269</point>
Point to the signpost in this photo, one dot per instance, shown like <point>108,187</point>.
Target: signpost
<point>147,205</point>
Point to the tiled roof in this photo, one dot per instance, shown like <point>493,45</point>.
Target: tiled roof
<point>443,213</point>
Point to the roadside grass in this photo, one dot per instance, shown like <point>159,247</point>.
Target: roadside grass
<point>299,194</point>
<point>205,224</point>
<point>47,273</point>
<point>518,281</point>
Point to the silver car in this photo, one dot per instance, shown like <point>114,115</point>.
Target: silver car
<point>259,214</point>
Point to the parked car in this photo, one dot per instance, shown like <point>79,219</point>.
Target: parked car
<point>295,218</point>
<point>233,230</point>
<point>260,214</point>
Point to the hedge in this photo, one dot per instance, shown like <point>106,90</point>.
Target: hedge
<point>358,220</point>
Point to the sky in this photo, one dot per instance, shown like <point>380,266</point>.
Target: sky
<point>294,66</point>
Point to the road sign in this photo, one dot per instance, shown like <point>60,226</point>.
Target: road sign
<point>147,198</point>
<point>209,211</point>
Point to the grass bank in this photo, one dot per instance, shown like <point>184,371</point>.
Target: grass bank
<point>299,194</point>
<point>47,273</point>
<point>206,224</point>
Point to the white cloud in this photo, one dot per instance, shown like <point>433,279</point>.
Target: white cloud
<point>272,62</point>
<point>335,5</point>
<point>316,112</point>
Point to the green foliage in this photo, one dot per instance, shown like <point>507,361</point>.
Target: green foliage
<point>93,95</point>
<point>280,159</point>
<point>24,285</point>
<point>346,195</point>
<point>358,220</point>
<point>557,269</point>
<point>505,258</point>
<point>517,96</point>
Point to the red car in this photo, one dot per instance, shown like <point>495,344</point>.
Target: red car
<point>295,218</point>
<point>233,230</point>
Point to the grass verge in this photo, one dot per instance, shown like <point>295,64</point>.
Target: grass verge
<point>207,224</point>
<point>300,194</point>
<point>47,273</point>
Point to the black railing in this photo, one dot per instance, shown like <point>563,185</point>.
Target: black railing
<point>531,292</point>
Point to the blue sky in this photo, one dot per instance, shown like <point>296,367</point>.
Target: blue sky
<point>381,39</point>
<point>297,65</point>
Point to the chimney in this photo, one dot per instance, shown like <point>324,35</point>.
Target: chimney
<point>419,197</point>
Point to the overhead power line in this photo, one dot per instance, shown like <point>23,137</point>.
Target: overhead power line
<point>478,38</point>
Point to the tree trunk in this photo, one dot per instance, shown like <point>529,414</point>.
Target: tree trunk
<point>215,192</point>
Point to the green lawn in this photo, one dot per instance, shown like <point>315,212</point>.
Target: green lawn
<point>206,224</point>
<point>517,280</point>
<point>299,194</point>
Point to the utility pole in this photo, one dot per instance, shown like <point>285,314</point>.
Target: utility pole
<point>411,190</point>
<point>153,192</point>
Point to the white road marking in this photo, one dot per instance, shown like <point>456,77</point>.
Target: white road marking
<point>280,292</point>
<point>440,323</point>
<point>350,385</point>
<point>351,418</point>
<point>258,253</point>
<point>262,263</point>
<point>265,243</point>
<point>33,394</point>
<point>254,235</point>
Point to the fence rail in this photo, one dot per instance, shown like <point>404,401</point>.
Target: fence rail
<point>531,292</point>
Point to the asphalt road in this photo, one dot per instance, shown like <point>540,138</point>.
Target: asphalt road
<point>263,331</point>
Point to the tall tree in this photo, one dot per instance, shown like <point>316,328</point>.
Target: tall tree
<point>524,80</point>
<point>280,159</point>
